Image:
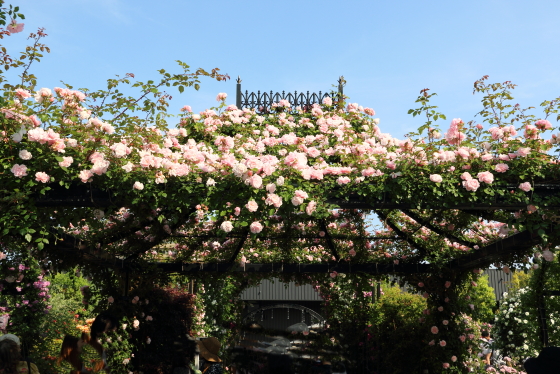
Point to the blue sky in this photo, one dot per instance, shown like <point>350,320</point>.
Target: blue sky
<point>386,50</point>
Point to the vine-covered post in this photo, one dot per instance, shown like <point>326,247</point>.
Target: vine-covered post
<point>541,307</point>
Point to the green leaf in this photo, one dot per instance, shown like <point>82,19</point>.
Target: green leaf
<point>28,237</point>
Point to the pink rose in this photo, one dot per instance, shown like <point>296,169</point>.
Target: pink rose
<point>486,177</point>
<point>462,338</point>
<point>543,124</point>
<point>420,284</point>
<point>442,343</point>
<point>447,284</point>
<point>471,185</point>
<point>310,208</point>
<point>343,180</point>
<point>434,330</point>
<point>15,27</point>
<point>42,177</point>
<point>85,175</point>
<point>19,170</point>
<point>327,101</point>
<point>66,161</point>
<point>252,206</point>
<point>138,186</point>
<point>226,226</point>
<point>24,154</point>
<point>333,274</point>
<point>446,365</point>
<point>110,299</point>
<point>221,96</point>
<point>436,178</point>
<point>525,186</point>
<point>256,227</point>
<point>501,168</point>
<point>548,255</point>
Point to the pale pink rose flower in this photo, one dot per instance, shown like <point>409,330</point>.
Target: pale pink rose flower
<point>186,108</point>
<point>22,94</point>
<point>138,186</point>
<point>436,178</point>
<point>531,208</point>
<point>420,284</point>
<point>445,322</point>
<point>327,101</point>
<point>255,181</point>
<point>252,206</point>
<point>501,168</point>
<point>369,111</point>
<point>486,157</point>
<point>447,284</point>
<point>300,193</point>
<point>548,255</point>
<point>19,170</point>
<point>311,208</point>
<point>42,177</point>
<point>226,226</point>
<point>135,323</point>
<point>486,177</point>
<point>273,199</point>
<point>466,176</point>
<point>462,338</point>
<point>221,96</point>
<point>432,342</point>
<point>85,175</point>
<point>270,188</point>
<point>434,330</point>
<point>343,180</point>
<point>15,27</point>
<point>296,200</point>
<point>453,135</point>
<point>110,300</point>
<point>24,154</point>
<point>522,152</point>
<point>352,252</point>
<point>66,161</point>
<point>256,227</point>
<point>333,274</point>
<point>471,185</point>
<point>525,186</point>
<point>237,211</point>
<point>442,343</point>
<point>543,124</point>
<point>42,94</point>
<point>445,365</point>
<point>440,308</point>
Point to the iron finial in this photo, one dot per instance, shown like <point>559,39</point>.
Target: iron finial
<point>238,79</point>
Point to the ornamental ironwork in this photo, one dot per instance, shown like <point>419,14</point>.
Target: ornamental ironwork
<point>263,102</point>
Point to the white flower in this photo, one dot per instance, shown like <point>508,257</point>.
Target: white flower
<point>210,182</point>
<point>128,167</point>
<point>24,154</point>
<point>138,186</point>
<point>227,226</point>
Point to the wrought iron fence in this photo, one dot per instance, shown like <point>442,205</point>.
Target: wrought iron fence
<point>263,102</point>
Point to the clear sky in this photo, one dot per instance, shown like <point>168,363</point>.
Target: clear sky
<point>386,50</point>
